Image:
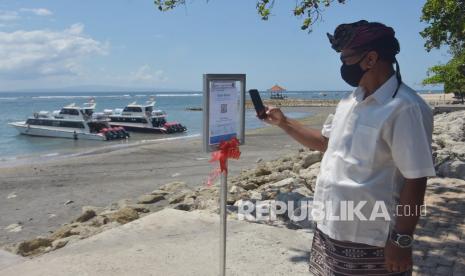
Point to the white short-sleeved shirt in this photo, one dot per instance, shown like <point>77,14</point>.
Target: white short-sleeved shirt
<point>374,145</point>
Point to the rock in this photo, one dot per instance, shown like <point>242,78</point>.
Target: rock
<point>206,204</point>
<point>236,189</point>
<point>57,244</point>
<point>311,158</point>
<point>284,166</point>
<point>96,210</point>
<point>99,221</point>
<point>120,204</point>
<point>141,208</point>
<point>295,203</point>
<point>87,215</point>
<point>235,193</point>
<point>262,170</point>
<point>297,166</point>
<point>124,215</point>
<point>186,205</point>
<point>310,174</point>
<point>149,199</point>
<point>63,232</point>
<point>159,192</point>
<point>453,169</point>
<point>14,228</point>
<point>248,185</point>
<point>282,183</point>
<point>255,195</point>
<point>128,203</point>
<point>303,191</point>
<point>174,186</point>
<point>180,196</point>
<point>270,194</point>
<point>31,247</point>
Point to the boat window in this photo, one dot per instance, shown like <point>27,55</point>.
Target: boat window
<point>67,111</point>
<point>55,123</point>
<point>158,122</point>
<point>132,109</point>
<point>149,109</point>
<point>128,119</point>
<point>88,112</point>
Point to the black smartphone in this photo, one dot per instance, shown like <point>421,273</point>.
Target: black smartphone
<point>257,103</point>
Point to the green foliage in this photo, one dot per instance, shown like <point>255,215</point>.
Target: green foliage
<point>446,20</point>
<point>451,74</point>
<point>310,10</point>
<point>446,26</point>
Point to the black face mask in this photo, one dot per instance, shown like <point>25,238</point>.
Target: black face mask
<point>352,74</point>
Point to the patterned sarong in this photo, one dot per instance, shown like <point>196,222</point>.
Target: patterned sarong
<point>329,257</point>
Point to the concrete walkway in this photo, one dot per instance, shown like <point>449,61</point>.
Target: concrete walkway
<point>8,259</point>
<point>173,242</point>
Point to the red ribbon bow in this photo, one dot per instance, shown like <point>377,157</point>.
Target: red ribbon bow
<point>227,149</point>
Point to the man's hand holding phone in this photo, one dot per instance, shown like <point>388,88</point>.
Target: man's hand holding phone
<point>271,115</point>
<point>274,116</point>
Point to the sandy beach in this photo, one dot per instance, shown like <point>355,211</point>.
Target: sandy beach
<point>41,196</point>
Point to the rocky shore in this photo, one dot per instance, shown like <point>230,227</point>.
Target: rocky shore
<point>294,102</point>
<point>431,99</point>
<point>288,178</point>
<point>449,144</point>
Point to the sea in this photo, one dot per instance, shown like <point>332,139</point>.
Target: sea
<point>18,106</point>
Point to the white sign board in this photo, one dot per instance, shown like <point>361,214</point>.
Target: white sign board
<point>223,111</point>
<point>224,102</point>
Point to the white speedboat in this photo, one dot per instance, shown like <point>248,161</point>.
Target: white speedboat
<point>143,118</point>
<point>71,122</point>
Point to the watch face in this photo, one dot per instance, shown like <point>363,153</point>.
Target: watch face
<point>404,240</point>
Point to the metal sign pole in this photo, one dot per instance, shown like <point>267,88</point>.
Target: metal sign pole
<point>213,145</point>
<point>223,220</point>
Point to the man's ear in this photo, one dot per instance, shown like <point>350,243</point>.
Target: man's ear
<point>372,58</point>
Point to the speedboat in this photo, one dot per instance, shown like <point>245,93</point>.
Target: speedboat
<point>143,118</point>
<point>71,122</point>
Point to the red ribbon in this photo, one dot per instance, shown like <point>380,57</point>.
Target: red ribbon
<point>227,149</point>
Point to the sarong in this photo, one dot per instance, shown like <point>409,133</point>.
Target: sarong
<point>329,257</point>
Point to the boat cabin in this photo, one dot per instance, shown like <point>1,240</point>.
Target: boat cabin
<point>140,113</point>
<point>71,117</point>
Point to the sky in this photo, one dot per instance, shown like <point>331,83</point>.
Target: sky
<point>129,43</point>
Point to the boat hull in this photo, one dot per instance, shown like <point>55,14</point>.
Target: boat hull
<point>55,133</point>
<point>138,128</point>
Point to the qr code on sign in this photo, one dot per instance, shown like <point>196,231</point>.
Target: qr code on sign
<point>224,108</point>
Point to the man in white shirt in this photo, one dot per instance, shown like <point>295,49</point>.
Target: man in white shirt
<point>377,158</point>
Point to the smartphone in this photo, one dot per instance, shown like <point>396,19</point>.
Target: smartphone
<point>257,103</point>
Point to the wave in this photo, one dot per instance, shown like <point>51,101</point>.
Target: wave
<point>8,98</point>
<point>179,95</point>
<point>50,154</point>
<point>80,97</point>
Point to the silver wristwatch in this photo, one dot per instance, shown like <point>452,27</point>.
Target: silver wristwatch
<point>401,240</point>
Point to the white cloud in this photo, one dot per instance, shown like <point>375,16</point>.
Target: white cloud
<point>44,53</point>
<point>8,16</point>
<point>38,12</point>
<point>146,74</point>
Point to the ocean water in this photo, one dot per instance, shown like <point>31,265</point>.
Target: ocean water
<point>18,106</point>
